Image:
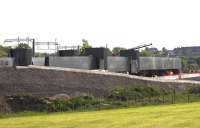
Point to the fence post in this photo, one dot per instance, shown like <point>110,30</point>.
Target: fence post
<point>127,102</point>
<point>149,99</point>
<point>163,97</point>
<point>135,99</point>
<point>188,98</point>
<point>174,96</point>
<point>73,107</point>
<point>99,105</point>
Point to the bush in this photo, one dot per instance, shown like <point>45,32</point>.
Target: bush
<point>120,97</point>
<point>125,94</point>
<point>30,103</point>
<point>194,89</point>
<point>23,45</point>
<point>75,103</point>
<point>58,105</point>
<point>26,103</point>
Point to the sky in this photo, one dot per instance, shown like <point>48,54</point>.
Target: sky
<point>124,23</point>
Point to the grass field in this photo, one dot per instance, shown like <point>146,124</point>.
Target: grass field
<point>164,116</point>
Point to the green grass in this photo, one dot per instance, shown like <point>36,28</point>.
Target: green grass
<point>163,116</point>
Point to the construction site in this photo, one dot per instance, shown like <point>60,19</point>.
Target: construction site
<point>99,64</point>
<point>66,71</point>
<point>127,61</point>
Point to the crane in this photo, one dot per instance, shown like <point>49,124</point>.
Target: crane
<point>142,46</point>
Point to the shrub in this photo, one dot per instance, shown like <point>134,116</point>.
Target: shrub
<point>23,45</point>
<point>194,89</point>
<point>125,94</point>
<point>26,103</point>
<point>75,103</point>
<point>58,105</point>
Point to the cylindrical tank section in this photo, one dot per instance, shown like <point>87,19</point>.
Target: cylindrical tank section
<point>22,56</point>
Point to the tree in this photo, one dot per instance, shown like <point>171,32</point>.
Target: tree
<point>198,61</point>
<point>85,45</point>
<point>146,53</point>
<point>193,67</point>
<point>4,51</point>
<point>109,53</point>
<point>23,45</point>
<point>164,52</point>
<point>184,63</point>
<point>116,50</point>
<point>190,64</point>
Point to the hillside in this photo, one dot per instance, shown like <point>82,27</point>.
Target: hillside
<point>166,116</point>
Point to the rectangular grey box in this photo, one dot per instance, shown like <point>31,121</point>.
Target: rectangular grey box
<point>40,61</point>
<point>156,63</point>
<point>78,62</point>
<point>134,66</point>
<point>117,64</point>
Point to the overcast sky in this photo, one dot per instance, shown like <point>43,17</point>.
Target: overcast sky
<point>125,23</point>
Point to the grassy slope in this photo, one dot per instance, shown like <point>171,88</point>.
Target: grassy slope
<point>166,116</point>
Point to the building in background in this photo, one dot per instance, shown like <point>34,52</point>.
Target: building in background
<point>152,49</point>
<point>193,51</point>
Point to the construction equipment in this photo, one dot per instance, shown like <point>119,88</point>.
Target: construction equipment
<point>142,46</point>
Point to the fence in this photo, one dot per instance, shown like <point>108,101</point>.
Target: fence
<point>88,102</point>
<point>160,100</point>
<point>102,104</point>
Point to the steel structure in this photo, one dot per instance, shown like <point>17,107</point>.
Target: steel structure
<point>69,47</point>
<point>34,44</point>
<point>142,46</point>
<point>32,40</point>
<point>48,44</point>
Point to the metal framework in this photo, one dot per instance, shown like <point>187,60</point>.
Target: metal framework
<point>68,47</point>
<point>32,40</point>
<point>48,44</point>
<point>142,46</point>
